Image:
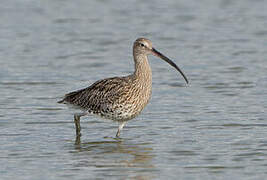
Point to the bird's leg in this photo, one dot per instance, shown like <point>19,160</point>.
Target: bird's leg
<point>78,140</point>
<point>77,123</point>
<point>121,125</point>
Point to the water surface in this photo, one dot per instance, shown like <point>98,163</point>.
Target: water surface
<point>213,128</point>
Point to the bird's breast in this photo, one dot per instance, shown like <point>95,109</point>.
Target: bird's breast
<point>133,98</point>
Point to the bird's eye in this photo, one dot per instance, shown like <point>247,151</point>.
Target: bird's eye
<point>142,44</point>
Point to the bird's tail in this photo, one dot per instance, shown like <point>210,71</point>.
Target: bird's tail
<point>61,101</point>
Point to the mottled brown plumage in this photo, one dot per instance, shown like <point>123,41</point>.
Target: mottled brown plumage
<point>119,98</point>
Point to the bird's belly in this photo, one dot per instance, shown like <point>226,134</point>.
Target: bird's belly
<point>121,112</point>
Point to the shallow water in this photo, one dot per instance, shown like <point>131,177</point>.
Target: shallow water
<point>213,128</point>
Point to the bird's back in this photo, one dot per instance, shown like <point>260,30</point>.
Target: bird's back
<point>117,98</point>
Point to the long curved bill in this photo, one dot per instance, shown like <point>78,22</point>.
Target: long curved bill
<point>158,54</point>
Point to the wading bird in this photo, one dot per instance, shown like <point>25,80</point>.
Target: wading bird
<point>119,98</point>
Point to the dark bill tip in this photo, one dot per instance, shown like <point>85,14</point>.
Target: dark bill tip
<point>158,54</point>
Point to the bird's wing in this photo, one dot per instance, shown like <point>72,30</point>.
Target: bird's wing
<point>103,92</point>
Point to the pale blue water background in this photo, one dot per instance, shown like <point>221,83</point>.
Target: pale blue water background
<point>214,128</point>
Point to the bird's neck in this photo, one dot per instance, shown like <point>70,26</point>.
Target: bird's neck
<point>142,80</point>
<point>142,69</point>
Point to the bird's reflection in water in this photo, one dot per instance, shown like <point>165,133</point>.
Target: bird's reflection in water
<point>122,157</point>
